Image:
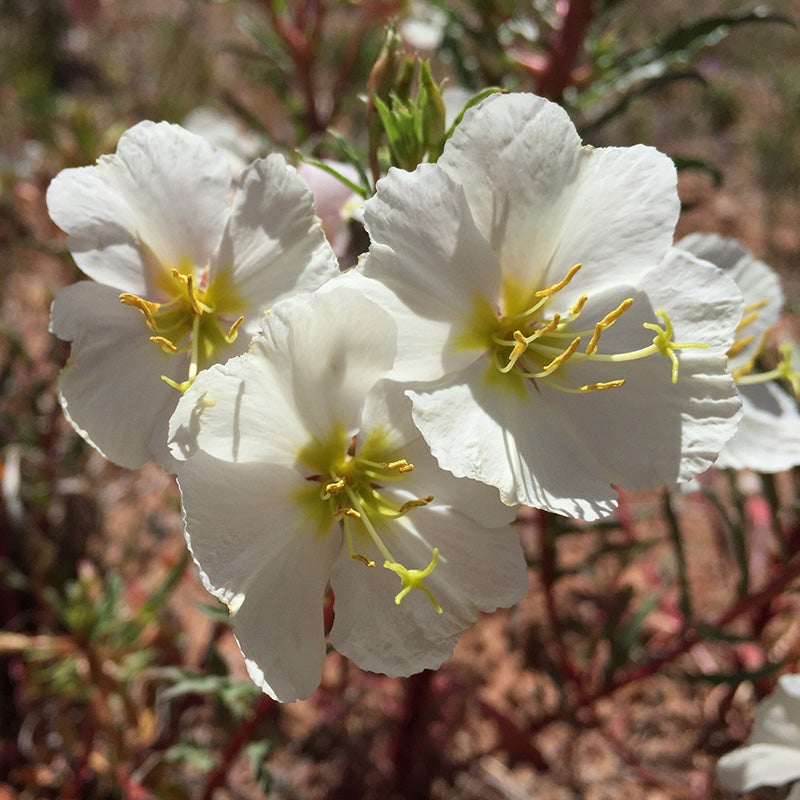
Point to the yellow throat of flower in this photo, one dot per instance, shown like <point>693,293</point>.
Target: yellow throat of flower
<point>526,341</point>
<point>348,484</point>
<point>192,320</point>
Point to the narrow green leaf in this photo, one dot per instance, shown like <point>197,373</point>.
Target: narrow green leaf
<point>699,164</point>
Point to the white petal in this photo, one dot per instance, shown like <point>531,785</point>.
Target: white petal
<point>517,443</point>
<point>620,221</point>
<point>777,716</point>
<point>243,410</point>
<point>758,765</point>
<point>516,156</point>
<point>427,251</point>
<point>755,279</point>
<point>258,555</point>
<point>794,792</point>
<point>545,203</point>
<point>704,302</point>
<point>768,437</point>
<point>273,240</point>
<point>164,187</point>
<point>238,516</point>
<point>651,431</point>
<point>478,569</point>
<point>306,374</point>
<point>422,351</point>
<point>111,388</point>
<point>341,345</point>
<point>387,408</point>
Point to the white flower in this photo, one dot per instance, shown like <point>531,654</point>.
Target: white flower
<point>226,134</point>
<point>424,27</point>
<point>771,756</point>
<point>768,437</point>
<point>337,204</point>
<point>532,279</point>
<point>301,472</point>
<point>184,267</point>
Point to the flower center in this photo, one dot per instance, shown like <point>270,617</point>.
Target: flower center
<point>352,484</point>
<point>745,374</point>
<point>535,343</point>
<point>191,322</point>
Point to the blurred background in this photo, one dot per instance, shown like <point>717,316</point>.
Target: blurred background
<point>645,640</point>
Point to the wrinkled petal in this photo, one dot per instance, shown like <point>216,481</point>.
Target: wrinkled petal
<point>387,407</point>
<point>546,204</point>
<point>768,437</point>
<point>165,191</point>
<point>756,281</point>
<point>651,431</point>
<point>111,387</point>
<point>517,443</point>
<point>336,363</point>
<point>478,569</point>
<point>435,263</point>
<point>758,765</point>
<point>273,240</point>
<point>269,568</point>
<point>306,374</point>
<point>242,410</point>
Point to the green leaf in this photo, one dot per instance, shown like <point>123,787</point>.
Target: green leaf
<point>641,89</point>
<point>704,33</point>
<point>733,678</point>
<point>192,755</point>
<point>699,164</point>
<point>257,753</point>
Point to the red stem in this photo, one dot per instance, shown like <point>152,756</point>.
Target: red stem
<point>241,738</point>
<point>548,570</point>
<point>565,47</point>
<point>691,636</point>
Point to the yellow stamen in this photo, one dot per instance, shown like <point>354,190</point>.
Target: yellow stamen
<point>233,331</point>
<point>607,321</point>
<point>367,562</point>
<point>333,488</point>
<point>346,511</point>
<point>599,387</point>
<point>740,345</point>
<point>746,320</point>
<point>416,503</point>
<point>519,348</point>
<point>757,306</point>
<point>562,357</point>
<point>576,308</point>
<point>166,344</point>
<point>145,306</point>
<point>557,287</point>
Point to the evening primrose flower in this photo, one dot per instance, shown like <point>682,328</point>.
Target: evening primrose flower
<point>303,469</point>
<point>768,437</point>
<point>184,268</point>
<point>558,344</point>
<point>771,756</point>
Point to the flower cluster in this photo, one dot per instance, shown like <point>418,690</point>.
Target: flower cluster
<point>521,331</point>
